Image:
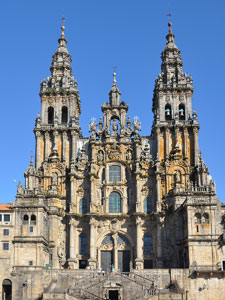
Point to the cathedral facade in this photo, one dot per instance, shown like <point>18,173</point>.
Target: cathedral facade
<point>116,215</point>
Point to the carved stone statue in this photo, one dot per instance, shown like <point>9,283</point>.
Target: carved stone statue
<point>100,156</point>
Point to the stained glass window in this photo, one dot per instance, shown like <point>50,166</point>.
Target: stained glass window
<point>147,205</point>
<point>83,206</point>
<point>114,173</point>
<point>147,244</point>
<point>82,244</point>
<point>114,202</point>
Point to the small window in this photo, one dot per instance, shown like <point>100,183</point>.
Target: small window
<point>148,244</point>
<point>198,218</point>
<point>50,115</point>
<point>147,205</point>
<point>6,232</point>
<point>114,173</point>
<point>64,115</point>
<point>114,203</point>
<point>25,219</point>
<point>30,262</point>
<point>181,112</point>
<point>31,229</point>
<point>206,218</point>
<point>0,218</point>
<point>83,206</point>
<point>5,246</point>
<point>33,219</point>
<point>83,244</point>
<point>168,114</point>
<point>6,218</point>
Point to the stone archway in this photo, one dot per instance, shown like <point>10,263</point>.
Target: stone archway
<point>115,253</point>
<point>6,289</point>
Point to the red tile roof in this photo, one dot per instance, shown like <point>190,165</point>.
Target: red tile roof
<point>5,206</point>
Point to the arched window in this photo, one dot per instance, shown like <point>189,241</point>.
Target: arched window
<point>83,244</point>
<point>50,115</point>
<point>25,219</point>
<point>168,114</point>
<point>114,173</point>
<point>115,203</point>
<point>206,218</point>
<point>83,206</point>
<point>197,218</point>
<point>147,205</point>
<point>181,112</point>
<point>64,115</point>
<point>148,244</point>
<point>33,219</point>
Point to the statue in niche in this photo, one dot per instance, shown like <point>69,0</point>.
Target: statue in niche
<point>114,127</point>
<point>100,156</point>
<point>129,155</point>
<point>54,179</point>
<point>177,177</point>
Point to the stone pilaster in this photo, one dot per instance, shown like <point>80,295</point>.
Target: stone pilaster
<point>64,140</point>
<point>92,262</point>
<point>139,261</point>
<point>37,152</point>
<point>72,261</point>
<point>196,150</point>
<point>46,145</point>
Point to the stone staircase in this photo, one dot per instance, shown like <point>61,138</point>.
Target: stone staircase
<point>97,286</point>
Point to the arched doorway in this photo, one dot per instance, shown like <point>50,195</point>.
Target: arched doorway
<point>115,252</point>
<point>6,289</point>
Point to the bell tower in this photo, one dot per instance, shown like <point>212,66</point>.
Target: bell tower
<point>58,128</point>
<point>175,128</point>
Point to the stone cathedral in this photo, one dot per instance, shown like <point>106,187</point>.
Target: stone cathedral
<point>115,215</point>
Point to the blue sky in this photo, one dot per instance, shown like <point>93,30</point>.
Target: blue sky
<point>101,34</point>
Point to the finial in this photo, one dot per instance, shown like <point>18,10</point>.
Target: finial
<point>114,77</point>
<point>62,27</point>
<point>170,27</point>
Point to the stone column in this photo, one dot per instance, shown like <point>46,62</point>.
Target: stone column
<point>55,145</point>
<point>73,145</point>
<point>92,260</point>
<point>64,140</point>
<point>92,198</point>
<point>37,151</point>
<point>158,208</point>
<point>72,194</point>
<point>159,245</point>
<point>72,260</point>
<point>138,194</point>
<point>46,145</point>
<point>185,143</point>
<point>115,251</point>
<point>196,152</point>
<point>158,142</point>
<point>167,137</point>
<point>139,236</point>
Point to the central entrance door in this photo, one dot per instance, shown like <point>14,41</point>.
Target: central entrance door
<point>106,260</point>
<point>113,295</point>
<point>124,261</point>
